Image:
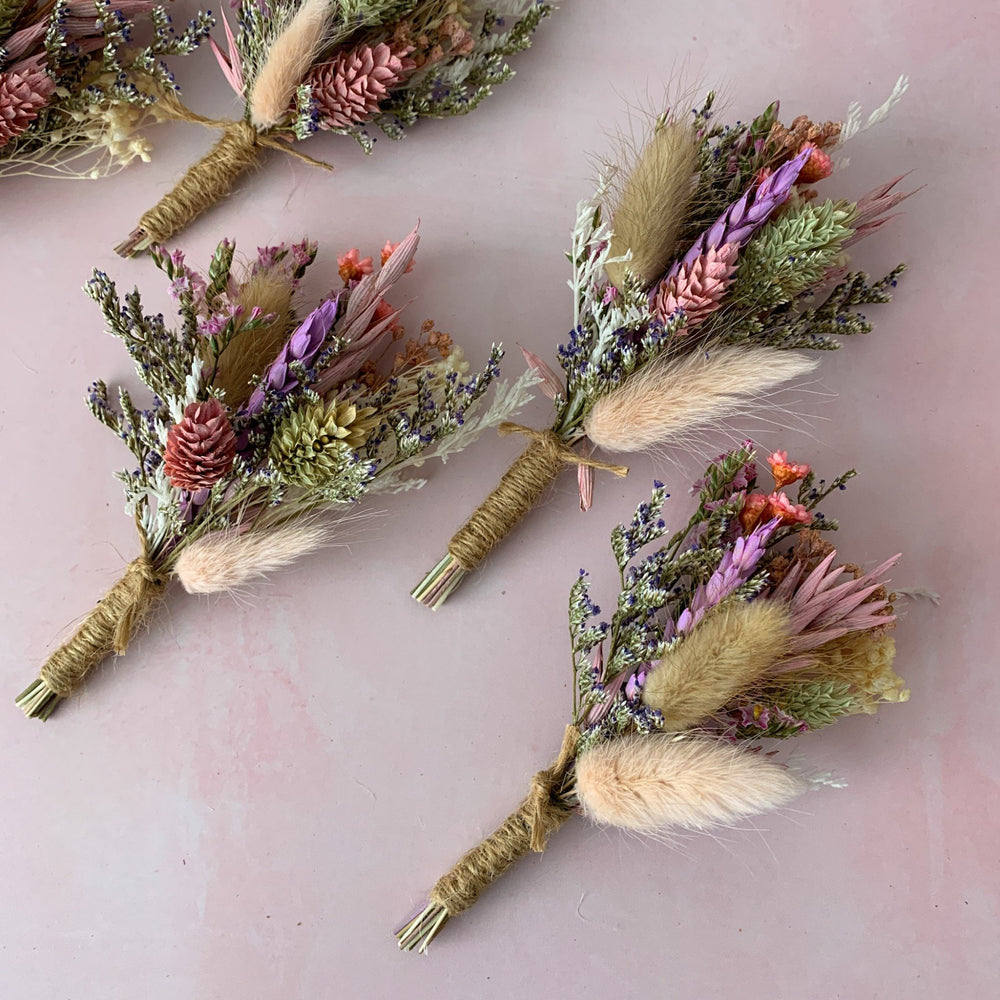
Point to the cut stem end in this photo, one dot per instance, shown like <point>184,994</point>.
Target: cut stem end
<point>137,242</point>
<point>37,700</point>
<point>422,929</point>
<point>440,583</point>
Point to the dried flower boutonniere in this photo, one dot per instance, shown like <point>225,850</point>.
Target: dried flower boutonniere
<point>75,90</point>
<point>697,276</point>
<point>261,425</point>
<point>304,66</point>
<point>744,625</point>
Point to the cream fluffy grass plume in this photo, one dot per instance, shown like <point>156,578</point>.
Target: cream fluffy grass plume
<point>369,66</point>
<point>701,268</point>
<point>257,424</point>
<point>742,627</point>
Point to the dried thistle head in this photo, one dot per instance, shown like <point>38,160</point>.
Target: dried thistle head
<point>652,201</point>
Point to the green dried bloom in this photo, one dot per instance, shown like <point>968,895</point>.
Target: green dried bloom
<point>793,252</point>
<point>313,444</point>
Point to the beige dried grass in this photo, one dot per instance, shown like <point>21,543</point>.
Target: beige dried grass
<point>228,560</point>
<point>671,395</point>
<point>651,784</point>
<point>289,58</point>
<point>730,650</point>
<point>251,351</point>
<point>653,202</point>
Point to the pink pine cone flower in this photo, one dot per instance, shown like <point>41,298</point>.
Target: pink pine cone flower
<point>22,97</point>
<point>785,472</point>
<point>201,447</point>
<point>350,88</point>
<point>698,287</point>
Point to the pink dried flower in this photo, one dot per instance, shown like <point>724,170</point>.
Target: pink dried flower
<point>753,509</point>
<point>781,507</point>
<point>352,265</point>
<point>698,287</point>
<point>201,447</point>
<point>350,88</point>
<point>22,97</point>
<point>785,472</point>
<point>550,383</point>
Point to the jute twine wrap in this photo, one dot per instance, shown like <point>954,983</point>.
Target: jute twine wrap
<point>520,488</point>
<point>526,829</point>
<point>107,629</point>
<point>208,180</point>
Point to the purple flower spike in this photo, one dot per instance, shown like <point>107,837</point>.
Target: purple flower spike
<point>745,216</point>
<point>302,347</point>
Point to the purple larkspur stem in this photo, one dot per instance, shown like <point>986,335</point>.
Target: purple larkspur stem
<point>746,215</point>
<point>734,569</point>
<point>301,347</point>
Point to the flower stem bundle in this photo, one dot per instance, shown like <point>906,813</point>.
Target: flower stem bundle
<point>740,627</point>
<point>700,272</point>
<point>75,92</point>
<point>261,425</point>
<point>304,66</point>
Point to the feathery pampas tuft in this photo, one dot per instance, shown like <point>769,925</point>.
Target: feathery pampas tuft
<point>653,204</point>
<point>732,648</point>
<point>226,560</point>
<point>288,60</point>
<point>652,783</point>
<point>671,395</point>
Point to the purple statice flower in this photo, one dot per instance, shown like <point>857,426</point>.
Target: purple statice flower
<point>300,349</point>
<point>734,569</point>
<point>746,215</point>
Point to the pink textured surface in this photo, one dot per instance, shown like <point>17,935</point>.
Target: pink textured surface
<point>250,801</point>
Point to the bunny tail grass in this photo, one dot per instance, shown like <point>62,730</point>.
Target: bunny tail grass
<point>653,784</point>
<point>673,394</point>
<point>227,560</point>
<point>288,60</point>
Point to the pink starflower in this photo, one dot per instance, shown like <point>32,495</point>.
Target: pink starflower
<point>352,265</point>
<point>785,472</point>
<point>781,507</point>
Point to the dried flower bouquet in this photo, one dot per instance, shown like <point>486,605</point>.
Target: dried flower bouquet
<point>743,625</point>
<point>261,425</point>
<point>75,92</point>
<point>303,66</point>
<point>718,260</point>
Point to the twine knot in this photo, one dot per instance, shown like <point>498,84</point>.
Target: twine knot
<point>107,629</point>
<point>526,829</point>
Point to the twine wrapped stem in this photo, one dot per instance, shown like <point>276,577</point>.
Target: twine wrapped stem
<point>107,629</point>
<point>520,488</point>
<point>207,181</point>
<point>526,829</point>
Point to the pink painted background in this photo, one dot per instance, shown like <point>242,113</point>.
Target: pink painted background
<point>248,803</point>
